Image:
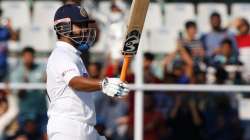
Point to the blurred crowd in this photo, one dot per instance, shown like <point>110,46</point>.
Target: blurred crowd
<point>220,56</point>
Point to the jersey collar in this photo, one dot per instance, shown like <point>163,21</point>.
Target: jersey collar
<point>68,47</point>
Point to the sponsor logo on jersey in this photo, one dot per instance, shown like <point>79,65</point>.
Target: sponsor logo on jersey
<point>66,71</point>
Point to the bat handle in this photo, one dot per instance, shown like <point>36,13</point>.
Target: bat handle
<point>126,62</point>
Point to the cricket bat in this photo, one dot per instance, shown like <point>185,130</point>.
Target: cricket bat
<point>135,25</point>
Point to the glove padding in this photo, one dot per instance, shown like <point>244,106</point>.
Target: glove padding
<point>114,87</point>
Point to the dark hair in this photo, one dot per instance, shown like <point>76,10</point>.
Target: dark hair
<point>215,14</point>
<point>227,41</point>
<point>149,56</point>
<point>190,24</point>
<point>28,49</point>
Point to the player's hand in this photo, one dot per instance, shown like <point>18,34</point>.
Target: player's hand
<point>114,87</point>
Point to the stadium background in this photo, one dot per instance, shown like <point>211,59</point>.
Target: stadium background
<point>174,52</point>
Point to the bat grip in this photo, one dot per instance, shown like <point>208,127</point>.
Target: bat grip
<point>126,62</point>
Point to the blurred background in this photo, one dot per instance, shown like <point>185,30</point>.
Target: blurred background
<point>184,42</point>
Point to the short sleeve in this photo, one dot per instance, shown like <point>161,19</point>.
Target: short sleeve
<point>67,69</point>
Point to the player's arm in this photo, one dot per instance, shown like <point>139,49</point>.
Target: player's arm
<point>113,87</point>
<point>85,84</point>
<point>71,75</point>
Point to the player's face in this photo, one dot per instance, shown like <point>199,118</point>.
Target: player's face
<point>76,29</point>
<point>82,33</point>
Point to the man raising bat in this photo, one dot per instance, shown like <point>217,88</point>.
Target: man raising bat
<point>71,111</point>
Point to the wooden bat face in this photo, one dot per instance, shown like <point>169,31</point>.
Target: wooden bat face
<point>136,21</point>
<point>132,42</point>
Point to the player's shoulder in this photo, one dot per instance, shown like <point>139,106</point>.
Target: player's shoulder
<point>59,53</point>
<point>58,56</point>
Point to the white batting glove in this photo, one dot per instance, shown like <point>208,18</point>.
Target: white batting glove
<point>114,87</point>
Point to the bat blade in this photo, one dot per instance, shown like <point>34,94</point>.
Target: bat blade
<point>135,25</point>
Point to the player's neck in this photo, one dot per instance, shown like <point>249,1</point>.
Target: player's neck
<point>64,39</point>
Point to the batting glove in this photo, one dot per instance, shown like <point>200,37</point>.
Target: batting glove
<point>114,87</point>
